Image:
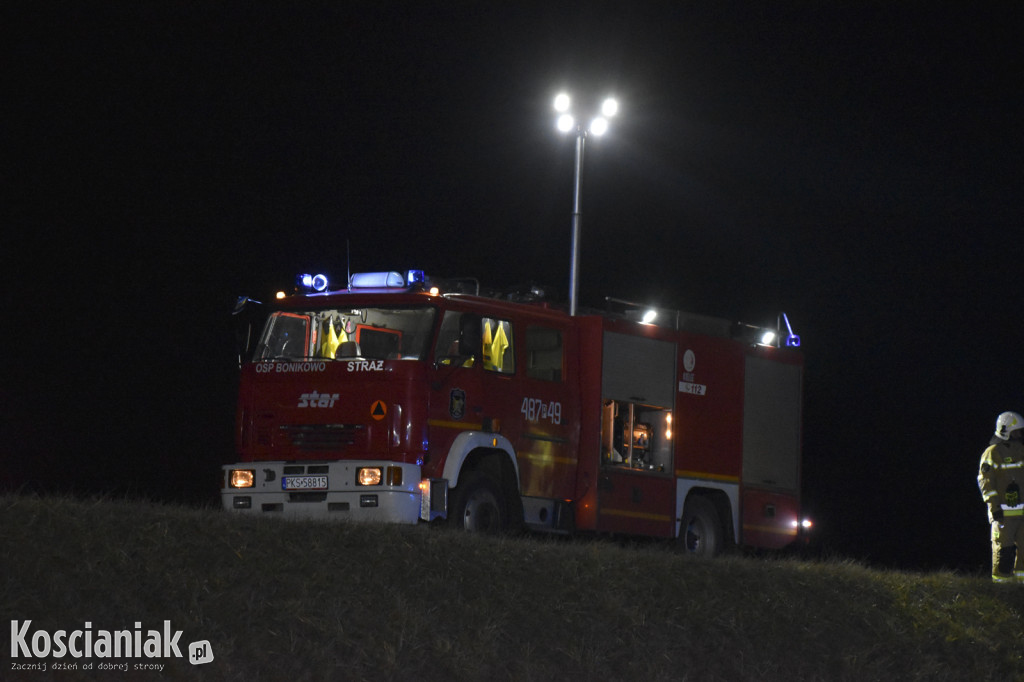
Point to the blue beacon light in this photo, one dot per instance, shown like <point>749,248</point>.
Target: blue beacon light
<point>314,282</point>
<point>792,340</point>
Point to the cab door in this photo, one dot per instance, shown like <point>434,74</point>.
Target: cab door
<point>546,445</point>
<point>473,370</point>
<point>636,481</point>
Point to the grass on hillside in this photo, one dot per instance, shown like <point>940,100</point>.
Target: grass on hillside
<point>314,601</point>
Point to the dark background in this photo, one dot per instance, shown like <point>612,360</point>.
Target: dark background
<point>854,165</point>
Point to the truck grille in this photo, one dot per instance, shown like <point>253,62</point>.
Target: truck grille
<point>319,436</point>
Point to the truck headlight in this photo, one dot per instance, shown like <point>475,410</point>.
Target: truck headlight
<point>368,476</point>
<point>242,478</point>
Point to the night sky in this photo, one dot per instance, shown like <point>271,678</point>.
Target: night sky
<point>855,165</point>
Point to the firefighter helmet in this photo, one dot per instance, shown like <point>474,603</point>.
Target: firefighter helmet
<point>1008,422</point>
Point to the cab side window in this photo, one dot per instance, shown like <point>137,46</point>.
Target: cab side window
<point>498,353</point>
<point>458,340</point>
<point>544,353</point>
<point>464,336</point>
<point>287,336</point>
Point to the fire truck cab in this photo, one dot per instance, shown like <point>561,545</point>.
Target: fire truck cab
<point>397,399</point>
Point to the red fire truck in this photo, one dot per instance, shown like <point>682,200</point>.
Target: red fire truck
<point>398,399</point>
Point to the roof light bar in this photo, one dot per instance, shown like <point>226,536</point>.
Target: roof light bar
<point>386,280</point>
<point>365,280</point>
<point>376,280</point>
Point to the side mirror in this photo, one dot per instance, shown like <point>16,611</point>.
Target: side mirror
<point>245,312</point>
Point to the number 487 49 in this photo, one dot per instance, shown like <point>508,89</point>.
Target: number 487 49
<point>537,410</point>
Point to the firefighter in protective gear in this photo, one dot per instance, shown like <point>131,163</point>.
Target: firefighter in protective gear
<point>1000,477</point>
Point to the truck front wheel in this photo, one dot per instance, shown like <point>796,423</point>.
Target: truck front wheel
<point>478,505</point>
<point>701,530</point>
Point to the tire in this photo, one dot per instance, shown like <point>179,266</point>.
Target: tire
<point>479,506</point>
<point>701,532</point>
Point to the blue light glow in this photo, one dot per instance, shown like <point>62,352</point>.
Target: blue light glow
<point>385,280</point>
<point>314,282</point>
<point>792,340</point>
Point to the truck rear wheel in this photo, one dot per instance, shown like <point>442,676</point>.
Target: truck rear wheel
<point>701,531</point>
<point>479,506</point>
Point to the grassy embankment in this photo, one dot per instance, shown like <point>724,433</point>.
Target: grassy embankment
<point>297,601</point>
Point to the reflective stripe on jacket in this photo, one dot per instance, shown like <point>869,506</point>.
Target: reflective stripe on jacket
<point>1001,476</point>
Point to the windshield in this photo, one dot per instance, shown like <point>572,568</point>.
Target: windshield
<point>343,333</point>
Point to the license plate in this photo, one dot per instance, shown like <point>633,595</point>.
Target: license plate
<point>304,483</point>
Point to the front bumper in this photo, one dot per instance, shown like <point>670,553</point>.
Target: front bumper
<point>396,499</point>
